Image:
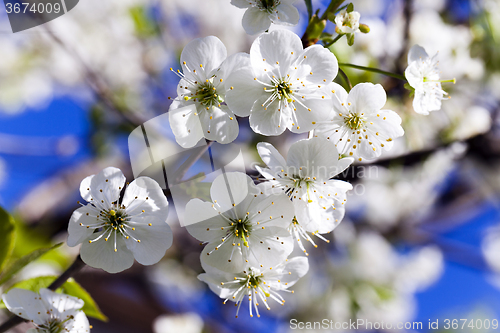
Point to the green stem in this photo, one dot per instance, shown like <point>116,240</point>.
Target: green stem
<point>346,79</point>
<point>333,41</point>
<point>375,70</point>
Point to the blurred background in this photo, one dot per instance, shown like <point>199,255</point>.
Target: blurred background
<point>421,238</point>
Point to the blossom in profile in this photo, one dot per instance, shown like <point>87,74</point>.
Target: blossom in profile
<point>285,85</point>
<point>49,311</point>
<point>243,225</point>
<point>261,13</point>
<point>114,232</point>
<point>358,126</point>
<point>422,74</point>
<point>257,284</point>
<point>199,110</point>
<point>305,177</point>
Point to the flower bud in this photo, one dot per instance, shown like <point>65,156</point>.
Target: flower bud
<point>364,28</point>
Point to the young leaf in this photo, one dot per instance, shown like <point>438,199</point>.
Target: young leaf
<point>20,263</point>
<point>7,237</point>
<point>309,9</point>
<point>70,287</point>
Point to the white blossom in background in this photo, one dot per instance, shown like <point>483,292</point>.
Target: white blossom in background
<point>189,322</point>
<point>396,195</point>
<point>347,22</point>
<point>376,283</point>
<point>255,284</point>
<point>422,74</point>
<point>243,226</point>
<point>199,110</point>
<point>261,13</point>
<point>358,126</point>
<point>48,311</point>
<point>305,177</point>
<point>113,233</point>
<point>285,86</point>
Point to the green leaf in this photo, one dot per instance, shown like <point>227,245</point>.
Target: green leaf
<point>7,237</point>
<point>20,263</point>
<point>70,287</point>
<point>309,9</point>
<point>350,8</point>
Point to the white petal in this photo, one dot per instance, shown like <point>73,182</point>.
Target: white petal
<point>110,180</point>
<point>216,287</point>
<point>320,62</point>
<point>209,52</point>
<point>255,21</point>
<point>230,189</point>
<point>242,91</point>
<point>240,3</point>
<point>339,96</point>
<point>388,123</point>
<point>220,125</point>
<point>414,76</point>
<point>101,254</point>
<point>276,246</point>
<point>417,53</point>
<point>26,304</point>
<point>155,239</point>
<point>268,120</point>
<point>220,258</point>
<point>144,194</point>
<point>85,188</point>
<point>316,156</point>
<point>424,102</point>
<point>298,267</point>
<point>367,151</point>
<point>79,233</point>
<point>232,63</point>
<point>201,216</point>
<point>265,172</point>
<point>343,164</point>
<point>80,324</point>
<point>277,49</point>
<point>275,207</point>
<point>60,302</point>
<point>309,215</point>
<point>271,156</point>
<point>306,120</point>
<point>186,126</point>
<point>287,14</point>
<point>366,97</point>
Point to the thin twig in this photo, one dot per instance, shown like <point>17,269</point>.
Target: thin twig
<point>375,70</point>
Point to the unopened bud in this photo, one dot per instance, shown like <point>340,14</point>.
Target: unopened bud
<point>364,28</point>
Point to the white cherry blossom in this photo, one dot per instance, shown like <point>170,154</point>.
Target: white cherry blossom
<point>285,85</point>
<point>422,74</point>
<point>358,126</point>
<point>114,232</point>
<point>261,13</point>
<point>347,22</point>
<point>243,226</point>
<point>49,311</point>
<point>199,111</point>
<point>256,284</point>
<point>305,177</point>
